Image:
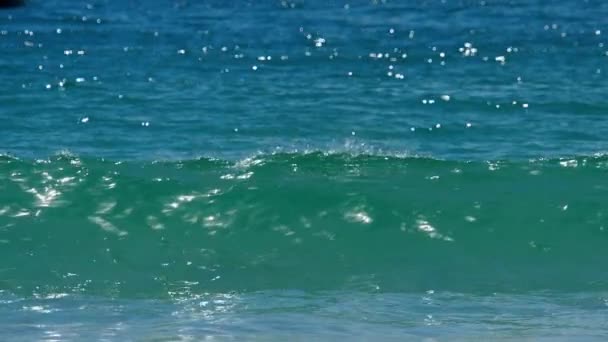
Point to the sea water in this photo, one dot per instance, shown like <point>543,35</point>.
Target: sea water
<point>303,170</point>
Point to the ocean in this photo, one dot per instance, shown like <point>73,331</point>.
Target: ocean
<point>180,170</point>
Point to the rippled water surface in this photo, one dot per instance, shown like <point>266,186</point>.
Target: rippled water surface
<point>303,170</point>
<point>180,79</point>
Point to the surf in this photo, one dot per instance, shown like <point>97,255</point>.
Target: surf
<point>311,221</point>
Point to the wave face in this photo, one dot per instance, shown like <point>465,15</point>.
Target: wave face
<point>301,221</point>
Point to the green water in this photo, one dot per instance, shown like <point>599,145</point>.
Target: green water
<point>307,221</point>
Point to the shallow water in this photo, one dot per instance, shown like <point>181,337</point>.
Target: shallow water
<point>297,315</point>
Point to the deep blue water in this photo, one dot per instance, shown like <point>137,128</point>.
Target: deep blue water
<point>176,79</point>
<point>303,170</point>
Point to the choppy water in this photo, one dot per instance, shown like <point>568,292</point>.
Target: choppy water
<point>274,170</point>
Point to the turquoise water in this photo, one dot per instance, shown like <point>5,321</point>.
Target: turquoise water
<point>307,170</point>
